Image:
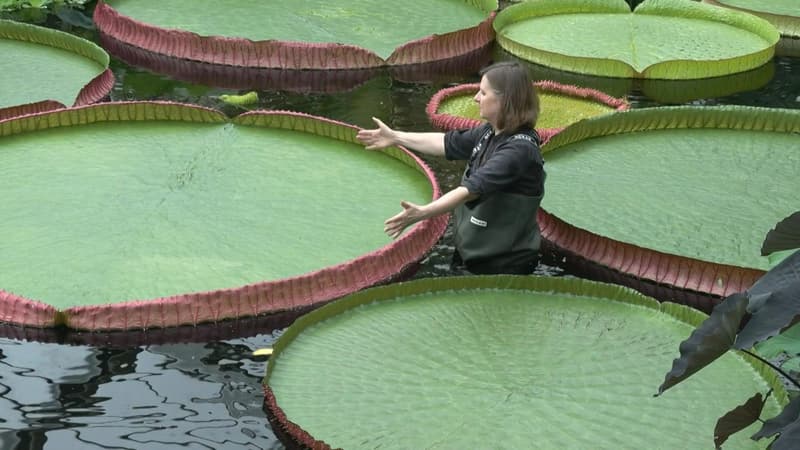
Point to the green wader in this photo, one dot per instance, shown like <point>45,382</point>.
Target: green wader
<point>499,233</point>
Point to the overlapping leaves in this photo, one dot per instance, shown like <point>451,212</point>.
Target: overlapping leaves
<point>743,320</point>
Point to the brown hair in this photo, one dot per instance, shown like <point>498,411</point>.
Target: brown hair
<point>519,102</point>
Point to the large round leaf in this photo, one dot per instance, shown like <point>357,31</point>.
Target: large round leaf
<point>154,201</point>
<point>48,68</point>
<point>682,196</point>
<point>500,362</point>
<point>784,14</point>
<point>560,105</point>
<point>303,34</point>
<point>670,39</point>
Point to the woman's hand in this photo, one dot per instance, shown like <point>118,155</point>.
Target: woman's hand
<point>378,138</point>
<point>410,215</point>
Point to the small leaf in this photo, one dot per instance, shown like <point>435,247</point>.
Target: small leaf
<point>709,341</point>
<point>775,425</point>
<point>785,235</point>
<point>738,419</point>
<point>240,100</point>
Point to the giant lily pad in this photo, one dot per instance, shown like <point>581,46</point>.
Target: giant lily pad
<point>45,69</point>
<point>560,105</point>
<point>500,362</point>
<point>307,34</point>
<point>679,196</point>
<point>661,91</point>
<point>663,39</point>
<point>140,215</point>
<point>784,14</point>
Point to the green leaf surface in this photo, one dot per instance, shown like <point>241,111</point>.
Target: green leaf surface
<point>556,110</point>
<point>109,212</point>
<point>446,364</point>
<point>683,180</point>
<point>370,24</point>
<point>660,39</point>
<point>43,64</point>
<point>784,7</point>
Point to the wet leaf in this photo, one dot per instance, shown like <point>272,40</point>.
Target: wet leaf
<point>775,425</point>
<point>785,235</point>
<point>738,419</point>
<point>774,303</point>
<point>709,341</point>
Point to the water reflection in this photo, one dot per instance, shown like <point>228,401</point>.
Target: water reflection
<point>163,396</point>
<point>199,387</point>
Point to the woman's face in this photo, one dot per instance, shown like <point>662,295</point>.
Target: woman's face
<point>488,102</point>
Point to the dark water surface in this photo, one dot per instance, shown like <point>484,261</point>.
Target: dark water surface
<point>199,387</point>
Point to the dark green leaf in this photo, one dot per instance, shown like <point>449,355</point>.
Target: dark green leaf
<point>785,235</point>
<point>709,341</point>
<point>774,303</point>
<point>789,415</point>
<point>789,438</point>
<point>738,419</point>
<point>74,17</point>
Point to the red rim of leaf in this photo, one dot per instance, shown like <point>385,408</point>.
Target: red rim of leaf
<point>313,288</point>
<point>92,92</point>
<point>606,259</point>
<point>445,121</point>
<point>241,52</point>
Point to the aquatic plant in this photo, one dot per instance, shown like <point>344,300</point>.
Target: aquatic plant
<point>661,39</point>
<point>497,362</point>
<point>765,311</point>
<point>152,214</point>
<point>49,69</point>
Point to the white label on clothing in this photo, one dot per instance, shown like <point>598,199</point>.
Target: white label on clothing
<point>478,222</point>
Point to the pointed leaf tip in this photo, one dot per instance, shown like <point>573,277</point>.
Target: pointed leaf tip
<point>709,341</point>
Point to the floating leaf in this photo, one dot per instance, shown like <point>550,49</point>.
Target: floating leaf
<point>240,100</point>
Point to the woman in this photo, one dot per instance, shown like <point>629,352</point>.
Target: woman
<point>495,205</point>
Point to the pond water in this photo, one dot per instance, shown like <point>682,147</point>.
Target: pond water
<point>199,387</point>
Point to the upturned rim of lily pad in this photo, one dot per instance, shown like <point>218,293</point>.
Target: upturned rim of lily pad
<point>242,52</point>
<point>294,435</point>
<point>445,121</point>
<point>388,263</point>
<point>675,69</point>
<point>674,276</point>
<point>788,26</point>
<point>92,92</point>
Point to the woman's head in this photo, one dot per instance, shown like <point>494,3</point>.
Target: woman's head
<point>506,96</point>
